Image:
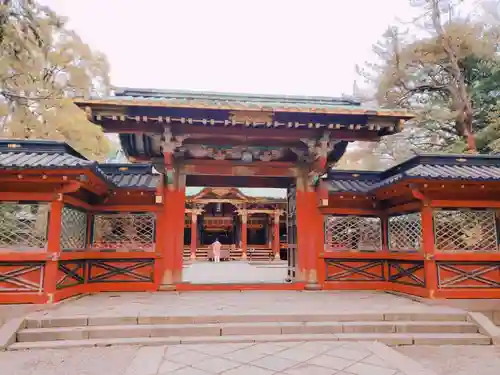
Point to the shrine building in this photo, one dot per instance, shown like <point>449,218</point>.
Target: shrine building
<point>206,166</point>
<point>214,214</point>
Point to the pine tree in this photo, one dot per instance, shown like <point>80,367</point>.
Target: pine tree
<point>43,65</point>
<point>434,72</point>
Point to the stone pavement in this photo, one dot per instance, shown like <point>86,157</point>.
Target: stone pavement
<point>489,307</point>
<point>456,360</point>
<point>291,358</point>
<point>234,272</point>
<point>8,312</point>
<point>247,302</point>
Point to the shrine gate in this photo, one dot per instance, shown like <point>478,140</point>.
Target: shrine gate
<point>68,225</point>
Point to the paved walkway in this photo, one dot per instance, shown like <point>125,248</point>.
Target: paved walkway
<point>456,360</point>
<point>248,302</point>
<point>292,358</point>
<point>335,358</point>
<point>234,272</point>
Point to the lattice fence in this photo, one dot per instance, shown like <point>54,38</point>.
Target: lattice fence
<point>23,227</point>
<point>124,231</point>
<point>465,231</point>
<point>405,232</point>
<point>353,233</point>
<point>73,229</point>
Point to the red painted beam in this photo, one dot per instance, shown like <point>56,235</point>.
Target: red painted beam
<point>128,207</point>
<point>465,203</point>
<point>21,298</point>
<point>250,134</point>
<point>255,169</point>
<point>104,255</point>
<point>468,257</point>
<point>238,181</point>
<point>371,255</point>
<point>7,255</point>
<point>18,197</point>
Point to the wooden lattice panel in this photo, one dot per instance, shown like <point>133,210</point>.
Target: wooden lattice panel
<point>407,272</point>
<point>124,231</point>
<point>471,275</point>
<point>23,227</point>
<point>73,229</point>
<point>120,270</point>
<point>21,277</point>
<point>71,273</point>
<point>465,231</point>
<point>405,232</point>
<point>356,233</point>
<point>354,270</point>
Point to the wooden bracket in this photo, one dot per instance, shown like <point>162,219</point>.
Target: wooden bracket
<point>70,187</point>
<point>416,193</point>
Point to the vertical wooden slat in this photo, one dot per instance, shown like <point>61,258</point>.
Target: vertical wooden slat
<point>431,280</point>
<point>53,249</point>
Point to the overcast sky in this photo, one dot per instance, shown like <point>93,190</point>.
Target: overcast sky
<point>305,47</point>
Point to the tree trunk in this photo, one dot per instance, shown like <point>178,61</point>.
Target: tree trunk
<point>469,134</point>
<point>471,142</point>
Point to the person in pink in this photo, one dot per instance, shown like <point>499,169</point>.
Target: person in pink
<point>216,246</point>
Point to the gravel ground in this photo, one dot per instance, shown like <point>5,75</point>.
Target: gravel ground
<point>456,360</point>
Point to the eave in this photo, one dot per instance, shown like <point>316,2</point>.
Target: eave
<point>117,104</point>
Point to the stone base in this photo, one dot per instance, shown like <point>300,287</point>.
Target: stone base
<point>167,288</point>
<point>312,286</point>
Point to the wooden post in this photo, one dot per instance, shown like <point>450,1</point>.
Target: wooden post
<point>178,217</point>
<point>53,249</point>
<point>276,235</point>
<point>309,234</point>
<point>160,244</point>
<point>384,219</point>
<point>428,243</point>
<point>167,237</point>
<point>168,220</point>
<point>244,234</point>
<point>159,248</point>
<point>194,234</point>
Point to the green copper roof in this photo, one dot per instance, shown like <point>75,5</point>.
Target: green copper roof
<point>250,192</point>
<point>230,101</point>
<point>234,97</point>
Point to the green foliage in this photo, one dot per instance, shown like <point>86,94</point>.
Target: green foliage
<point>415,70</point>
<point>43,65</point>
<point>446,71</point>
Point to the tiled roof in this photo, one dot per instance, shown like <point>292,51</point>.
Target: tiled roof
<point>39,154</point>
<point>426,166</point>
<point>229,101</point>
<point>40,160</point>
<point>22,154</point>
<point>136,181</point>
<point>231,97</point>
<point>350,186</point>
<point>137,176</point>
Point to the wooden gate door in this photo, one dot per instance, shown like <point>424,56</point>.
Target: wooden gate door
<point>291,226</point>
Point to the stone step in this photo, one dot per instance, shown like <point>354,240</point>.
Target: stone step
<point>69,321</point>
<point>392,339</point>
<point>237,329</point>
